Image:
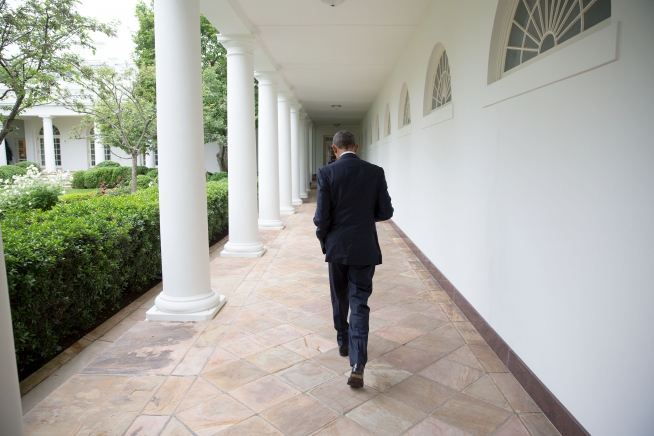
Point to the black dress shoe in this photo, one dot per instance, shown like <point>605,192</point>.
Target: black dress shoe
<point>344,350</point>
<point>356,378</point>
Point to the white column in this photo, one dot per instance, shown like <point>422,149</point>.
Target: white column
<point>312,154</point>
<point>150,159</point>
<point>284,128</point>
<point>243,226</point>
<point>269,213</point>
<point>99,148</point>
<point>187,293</point>
<point>48,145</point>
<point>295,154</point>
<point>308,155</point>
<point>3,153</point>
<point>11,412</point>
<point>303,155</point>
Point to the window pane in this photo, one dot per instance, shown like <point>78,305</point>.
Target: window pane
<point>92,151</point>
<point>512,59</point>
<point>516,37</point>
<point>521,14</point>
<point>548,43</point>
<point>527,55</point>
<point>574,31</point>
<point>42,146</point>
<point>574,15</point>
<point>598,12</point>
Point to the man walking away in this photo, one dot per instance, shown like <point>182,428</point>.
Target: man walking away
<point>352,196</point>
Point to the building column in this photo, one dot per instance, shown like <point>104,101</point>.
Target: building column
<point>150,159</point>
<point>284,130</point>
<point>295,154</point>
<point>11,411</point>
<point>48,145</point>
<point>187,294</point>
<point>312,144</point>
<point>269,206</point>
<point>303,155</point>
<point>3,153</point>
<point>243,227</point>
<point>308,159</point>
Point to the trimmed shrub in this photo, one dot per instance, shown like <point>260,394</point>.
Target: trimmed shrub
<point>121,174</point>
<point>217,177</point>
<point>107,164</point>
<point>71,198</point>
<point>8,171</point>
<point>154,172</point>
<point>67,265</point>
<point>26,164</point>
<point>142,181</point>
<point>142,170</point>
<point>78,180</point>
<point>93,178</point>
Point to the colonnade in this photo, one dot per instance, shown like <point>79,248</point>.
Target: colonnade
<point>284,159</point>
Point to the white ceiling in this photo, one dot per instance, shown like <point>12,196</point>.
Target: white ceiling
<point>327,55</point>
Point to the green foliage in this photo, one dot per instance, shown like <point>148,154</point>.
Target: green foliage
<point>216,177</point>
<point>94,178</point>
<point>142,170</point>
<point>154,172</point>
<point>121,174</point>
<point>78,180</point>
<point>107,163</point>
<point>26,164</point>
<point>40,45</point>
<point>67,265</point>
<point>8,171</point>
<point>72,198</point>
<point>30,191</point>
<point>144,37</point>
<point>143,181</point>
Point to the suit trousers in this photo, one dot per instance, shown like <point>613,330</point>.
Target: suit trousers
<point>351,286</point>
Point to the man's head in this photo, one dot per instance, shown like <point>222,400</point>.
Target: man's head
<point>344,141</point>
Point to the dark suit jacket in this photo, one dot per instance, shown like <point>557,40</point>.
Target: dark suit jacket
<point>352,196</point>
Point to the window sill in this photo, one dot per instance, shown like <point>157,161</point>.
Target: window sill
<point>441,114</point>
<point>593,51</point>
<point>406,130</point>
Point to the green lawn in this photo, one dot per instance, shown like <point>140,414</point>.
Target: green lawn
<point>79,191</point>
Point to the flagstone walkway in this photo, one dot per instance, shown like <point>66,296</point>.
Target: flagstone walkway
<point>268,363</point>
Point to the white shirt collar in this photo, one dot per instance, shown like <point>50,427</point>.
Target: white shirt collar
<point>346,152</point>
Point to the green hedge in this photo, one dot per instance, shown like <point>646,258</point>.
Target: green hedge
<point>142,170</point>
<point>93,178</point>
<point>7,171</point>
<point>67,265</point>
<point>78,180</point>
<point>107,164</point>
<point>216,177</point>
<point>143,182</point>
<point>121,174</point>
<point>26,164</point>
<point>71,198</point>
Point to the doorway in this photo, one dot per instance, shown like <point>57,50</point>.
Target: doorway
<point>329,153</point>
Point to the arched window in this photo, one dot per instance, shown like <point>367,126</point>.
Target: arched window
<point>540,25</point>
<point>370,135</point>
<point>57,146</point>
<point>438,84</point>
<point>92,147</point>
<point>387,121</point>
<point>405,107</point>
<point>377,128</point>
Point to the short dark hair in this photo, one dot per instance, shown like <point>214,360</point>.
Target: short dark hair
<point>344,139</point>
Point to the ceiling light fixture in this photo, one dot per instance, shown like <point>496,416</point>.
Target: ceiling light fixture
<point>332,3</point>
<point>336,107</point>
<point>336,125</point>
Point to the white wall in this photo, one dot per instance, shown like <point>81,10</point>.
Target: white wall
<point>540,208</point>
<point>210,159</point>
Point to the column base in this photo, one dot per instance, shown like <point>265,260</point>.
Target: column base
<point>304,195</point>
<point>226,253</point>
<point>297,202</point>
<point>243,250</point>
<point>271,224</point>
<point>287,211</point>
<point>196,311</point>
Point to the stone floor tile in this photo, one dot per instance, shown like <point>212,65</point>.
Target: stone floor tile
<point>258,324</point>
<point>315,306</point>
<point>234,374</point>
<point>436,312</point>
<point>88,399</point>
<point>175,428</point>
<point>513,427</point>
<point>414,305</point>
<point>488,359</point>
<point>378,346</point>
<point>539,425</point>
<point>453,312</point>
<point>392,313</point>
<point>252,426</point>
<point>311,345</point>
<point>289,314</point>
<point>218,358</point>
<point>334,361</point>
<point>214,415</point>
<point>169,395</point>
<point>439,342</point>
<point>343,427</point>
<point>472,415</point>
<point>299,416</point>
<point>118,330</point>
<point>263,393</point>
<point>225,315</point>
<point>264,307</point>
<point>485,389</point>
<point>451,374</point>
<point>441,297</point>
<point>314,324</point>
<point>281,334</point>
<point>420,393</point>
<point>339,396</point>
<point>515,394</point>
<point>399,333</point>
<point>147,425</point>
<point>381,375</point>
<point>234,333</point>
<point>194,361</point>
<point>423,322</point>
<point>275,359</point>
<point>465,356</point>
<point>200,391</point>
<point>386,416</point>
<point>247,346</point>
<point>408,359</point>
<point>293,299</point>
<point>306,375</point>
<point>469,334</point>
<point>431,426</point>
<point>211,335</point>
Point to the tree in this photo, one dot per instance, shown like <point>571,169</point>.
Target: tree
<point>118,104</point>
<point>38,40</point>
<point>214,75</point>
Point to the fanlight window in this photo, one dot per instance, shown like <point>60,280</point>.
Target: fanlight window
<point>406,119</point>
<point>442,88</point>
<point>57,146</point>
<point>540,25</point>
<point>377,128</point>
<point>387,122</point>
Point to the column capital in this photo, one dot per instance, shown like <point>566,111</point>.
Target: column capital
<point>285,96</point>
<point>267,78</point>
<point>295,107</point>
<point>238,44</point>
<point>303,116</point>
<point>46,117</point>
